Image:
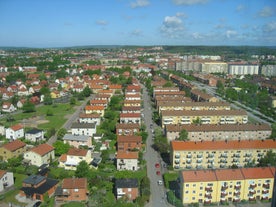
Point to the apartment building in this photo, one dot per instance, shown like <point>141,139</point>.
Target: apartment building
<point>204,117</point>
<point>198,95</point>
<point>209,132</point>
<point>218,186</point>
<point>178,106</point>
<point>268,70</point>
<point>214,67</point>
<point>243,69</point>
<point>127,129</point>
<point>218,154</point>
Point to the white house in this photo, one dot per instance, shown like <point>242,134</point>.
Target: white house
<point>39,155</point>
<point>127,161</point>
<point>83,129</point>
<point>74,156</point>
<point>77,140</point>
<point>8,107</point>
<point>35,135</point>
<point>90,118</point>
<point>6,179</point>
<point>15,132</point>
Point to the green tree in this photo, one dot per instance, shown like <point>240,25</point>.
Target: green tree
<point>168,84</point>
<point>61,132</point>
<point>268,160</point>
<point>183,135</point>
<point>86,91</point>
<point>28,107</point>
<point>44,90</point>
<point>220,87</point>
<point>273,127</point>
<point>73,101</point>
<point>60,147</point>
<point>48,99</point>
<point>82,170</point>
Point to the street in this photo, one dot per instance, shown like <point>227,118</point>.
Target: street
<point>158,192</point>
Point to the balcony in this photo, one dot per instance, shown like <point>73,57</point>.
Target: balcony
<point>210,156</point>
<point>199,161</point>
<point>198,166</point>
<point>236,200</point>
<point>199,156</point>
<point>222,166</point>
<point>223,156</point>
<point>237,155</point>
<point>266,185</point>
<point>253,185</point>
<point>176,167</point>
<point>189,156</point>
<point>237,193</point>
<point>176,161</point>
<point>265,191</point>
<point>237,187</point>
<point>207,201</point>
<point>223,161</point>
<point>210,166</point>
<point>222,200</point>
<point>223,194</point>
<point>177,156</point>
<point>265,198</point>
<point>247,155</point>
<point>188,166</point>
<point>209,189</point>
<point>252,192</point>
<point>223,188</point>
<point>210,161</point>
<point>208,195</point>
<point>188,161</point>
<point>251,198</point>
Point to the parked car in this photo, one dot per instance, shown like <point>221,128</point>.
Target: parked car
<point>157,165</point>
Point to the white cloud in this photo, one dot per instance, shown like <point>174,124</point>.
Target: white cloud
<point>181,14</point>
<point>240,8</point>
<point>139,3</point>
<point>136,32</point>
<point>230,33</point>
<point>101,22</point>
<point>189,2</point>
<point>270,27</point>
<point>172,26</point>
<point>197,36</point>
<point>266,12</point>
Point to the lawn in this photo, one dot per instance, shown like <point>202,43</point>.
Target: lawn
<point>73,204</point>
<point>9,197</point>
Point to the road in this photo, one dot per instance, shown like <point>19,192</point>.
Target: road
<point>158,192</point>
<point>236,105</point>
<point>67,125</point>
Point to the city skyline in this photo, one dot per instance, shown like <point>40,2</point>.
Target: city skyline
<point>137,22</point>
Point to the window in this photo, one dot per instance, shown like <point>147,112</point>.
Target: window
<point>194,191</point>
<point>201,188</point>
<point>193,198</point>
<point>187,191</point>
<point>187,185</point>
<point>194,185</point>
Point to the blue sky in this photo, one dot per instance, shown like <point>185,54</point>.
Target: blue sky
<point>58,23</point>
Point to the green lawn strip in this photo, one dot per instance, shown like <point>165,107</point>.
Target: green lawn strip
<point>170,176</point>
<point>73,204</point>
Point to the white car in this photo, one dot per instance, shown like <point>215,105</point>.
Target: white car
<point>160,182</point>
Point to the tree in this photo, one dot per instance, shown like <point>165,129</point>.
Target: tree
<point>268,160</point>
<point>86,91</point>
<point>168,84</point>
<point>82,170</point>
<point>273,134</point>
<point>73,101</point>
<point>61,133</point>
<point>61,148</point>
<point>28,107</point>
<point>183,135</point>
<point>48,99</point>
<point>50,132</point>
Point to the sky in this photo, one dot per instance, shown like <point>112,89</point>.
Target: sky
<point>61,23</point>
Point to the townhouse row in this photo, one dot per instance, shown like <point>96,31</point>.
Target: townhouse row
<point>226,185</point>
<point>219,154</point>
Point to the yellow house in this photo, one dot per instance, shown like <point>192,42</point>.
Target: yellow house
<point>218,154</point>
<point>224,185</point>
<point>204,116</point>
<point>12,149</point>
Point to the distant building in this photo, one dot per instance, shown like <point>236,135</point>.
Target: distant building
<point>268,70</point>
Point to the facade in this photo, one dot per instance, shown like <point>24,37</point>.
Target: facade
<point>204,117</point>
<point>12,149</point>
<point>72,189</point>
<point>74,156</point>
<point>83,129</point>
<point>243,69</point>
<point>35,187</point>
<point>166,106</point>
<point>129,143</point>
<point>214,186</point>
<point>6,180</point>
<point>39,155</point>
<point>201,96</point>
<point>35,135</point>
<point>127,188</point>
<point>8,107</point>
<point>90,118</point>
<point>127,129</point>
<point>15,132</point>
<point>218,154</point>
<point>268,70</point>
<point>95,109</point>
<point>209,132</point>
<point>130,118</point>
<point>127,161</point>
<point>77,140</point>
<point>214,67</point>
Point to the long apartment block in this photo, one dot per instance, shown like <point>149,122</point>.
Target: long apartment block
<point>221,185</point>
<point>176,106</point>
<point>210,132</point>
<point>218,154</point>
<point>204,116</point>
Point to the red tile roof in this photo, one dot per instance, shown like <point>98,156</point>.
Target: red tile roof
<point>127,155</point>
<point>199,176</point>
<point>16,127</point>
<point>42,149</point>
<point>2,173</point>
<point>77,152</point>
<point>74,183</point>
<point>14,145</point>
<point>257,172</point>
<point>229,174</point>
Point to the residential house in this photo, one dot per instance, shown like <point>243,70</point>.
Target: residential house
<point>83,129</point>
<point>131,109</point>
<point>200,96</point>
<point>99,102</point>
<point>8,107</point>
<point>127,129</point>
<point>130,118</point>
<point>35,135</point>
<point>36,187</point>
<point>74,156</point>
<point>127,188</point>
<point>90,118</point>
<point>224,185</point>
<point>20,103</point>
<point>77,140</point>
<point>129,143</point>
<point>12,149</point>
<point>219,154</point>
<point>39,155</point>
<point>15,132</point>
<point>6,180</point>
<point>210,132</point>
<point>7,95</point>
<point>94,109</point>
<point>127,160</point>
<point>72,189</point>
